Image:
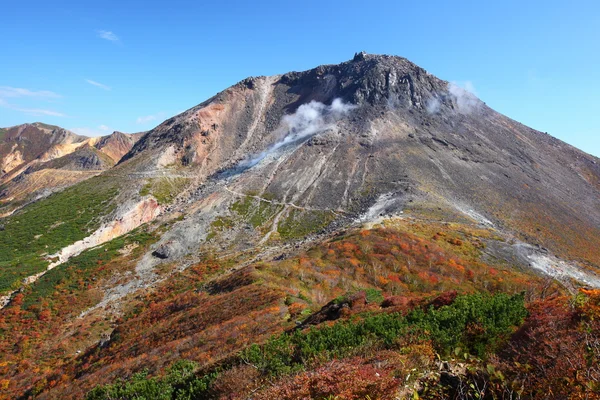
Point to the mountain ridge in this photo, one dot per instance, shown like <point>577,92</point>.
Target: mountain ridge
<point>38,158</point>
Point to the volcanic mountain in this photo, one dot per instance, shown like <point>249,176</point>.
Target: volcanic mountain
<point>370,137</point>
<point>281,203</point>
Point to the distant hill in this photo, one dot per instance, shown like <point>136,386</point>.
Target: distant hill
<point>36,159</point>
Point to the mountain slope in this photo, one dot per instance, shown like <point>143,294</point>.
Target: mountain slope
<point>353,198</point>
<point>401,139</point>
<point>25,143</point>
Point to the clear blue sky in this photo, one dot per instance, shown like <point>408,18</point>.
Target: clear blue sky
<point>127,65</point>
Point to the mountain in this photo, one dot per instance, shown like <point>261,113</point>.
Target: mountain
<point>363,220</point>
<point>37,158</point>
<point>399,139</point>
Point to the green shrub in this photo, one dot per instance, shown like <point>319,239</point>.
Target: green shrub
<point>79,270</point>
<point>164,190</point>
<point>373,296</point>
<point>46,226</point>
<point>256,211</point>
<point>301,223</point>
<point>180,383</point>
<point>476,322</point>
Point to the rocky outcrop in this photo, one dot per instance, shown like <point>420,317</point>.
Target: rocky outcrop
<point>336,309</point>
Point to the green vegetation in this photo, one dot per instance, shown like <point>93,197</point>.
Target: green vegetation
<point>260,211</point>
<point>179,383</point>
<point>79,271</point>
<point>164,190</point>
<point>255,211</point>
<point>48,225</point>
<point>222,223</point>
<point>371,295</point>
<point>219,225</point>
<point>476,323</point>
<point>300,224</point>
<point>2,133</point>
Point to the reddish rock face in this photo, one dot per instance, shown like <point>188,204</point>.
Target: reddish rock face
<point>401,303</point>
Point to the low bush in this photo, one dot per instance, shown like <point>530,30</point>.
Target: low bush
<point>477,323</point>
<point>48,225</point>
<point>179,383</point>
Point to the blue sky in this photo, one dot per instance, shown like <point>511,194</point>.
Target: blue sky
<point>128,65</point>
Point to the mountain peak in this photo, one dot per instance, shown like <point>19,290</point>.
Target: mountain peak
<point>378,82</point>
<point>359,56</point>
<point>368,78</point>
<point>39,158</point>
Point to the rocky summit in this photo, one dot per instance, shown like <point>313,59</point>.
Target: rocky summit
<point>360,229</point>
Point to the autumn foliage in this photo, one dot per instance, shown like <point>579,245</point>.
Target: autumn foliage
<point>212,311</point>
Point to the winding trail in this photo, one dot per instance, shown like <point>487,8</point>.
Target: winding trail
<point>336,212</point>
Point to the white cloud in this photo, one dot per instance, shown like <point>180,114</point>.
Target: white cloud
<point>9,92</point>
<point>12,92</point>
<point>31,111</point>
<point>433,105</point>
<point>98,84</point>
<point>101,130</point>
<point>145,119</point>
<point>40,112</point>
<point>108,35</point>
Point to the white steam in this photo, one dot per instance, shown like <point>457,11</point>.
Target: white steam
<point>433,105</point>
<point>307,121</point>
<point>464,96</point>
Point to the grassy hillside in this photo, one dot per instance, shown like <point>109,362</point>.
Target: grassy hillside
<point>46,226</point>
